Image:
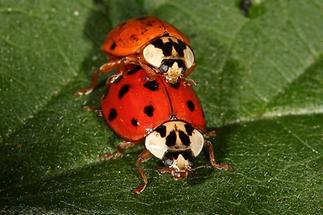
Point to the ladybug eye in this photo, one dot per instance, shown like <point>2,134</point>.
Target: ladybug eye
<point>168,162</point>
<point>163,68</point>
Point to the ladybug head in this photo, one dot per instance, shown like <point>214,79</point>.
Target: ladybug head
<point>169,56</point>
<point>179,163</point>
<point>175,143</point>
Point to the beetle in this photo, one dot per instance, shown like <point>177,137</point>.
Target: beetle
<point>158,47</point>
<point>168,118</point>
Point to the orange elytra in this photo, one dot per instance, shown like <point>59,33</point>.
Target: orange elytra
<point>129,37</point>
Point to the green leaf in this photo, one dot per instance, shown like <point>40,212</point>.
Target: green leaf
<point>260,80</point>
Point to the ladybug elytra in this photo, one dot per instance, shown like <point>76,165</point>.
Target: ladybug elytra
<point>158,47</point>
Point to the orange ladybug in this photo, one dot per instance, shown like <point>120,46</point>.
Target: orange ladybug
<point>158,47</point>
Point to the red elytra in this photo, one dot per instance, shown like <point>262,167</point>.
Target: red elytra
<point>134,105</point>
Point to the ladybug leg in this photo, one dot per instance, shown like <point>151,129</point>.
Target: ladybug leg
<point>120,149</point>
<point>150,72</point>
<point>135,59</point>
<point>105,68</point>
<point>143,156</point>
<point>163,170</point>
<point>214,164</point>
<point>114,78</point>
<point>189,82</point>
<point>88,90</point>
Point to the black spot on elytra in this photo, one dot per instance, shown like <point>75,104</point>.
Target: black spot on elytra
<point>134,122</point>
<point>184,138</point>
<point>161,130</point>
<point>149,110</point>
<point>112,115</point>
<point>133,70</point>
<point>123,90</point>
<point>113,45</point>
<point>189,129</point>
<point>134,37</point>
<point>152,85</point>
<point>150,23</point>
<point>171,139</point>
<point>190,105</point>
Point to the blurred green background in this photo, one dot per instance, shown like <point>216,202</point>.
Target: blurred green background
<point>260,80</point>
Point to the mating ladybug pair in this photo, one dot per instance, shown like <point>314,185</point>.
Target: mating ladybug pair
<point>148,99</point>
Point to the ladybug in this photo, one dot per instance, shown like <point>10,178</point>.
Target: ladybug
<point>155,45</point>
<point>168,118</point>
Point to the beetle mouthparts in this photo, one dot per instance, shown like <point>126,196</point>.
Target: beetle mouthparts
<point>180,174</point>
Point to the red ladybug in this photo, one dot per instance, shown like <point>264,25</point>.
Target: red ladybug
<point>155,45</point>
<point>168,118</point>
